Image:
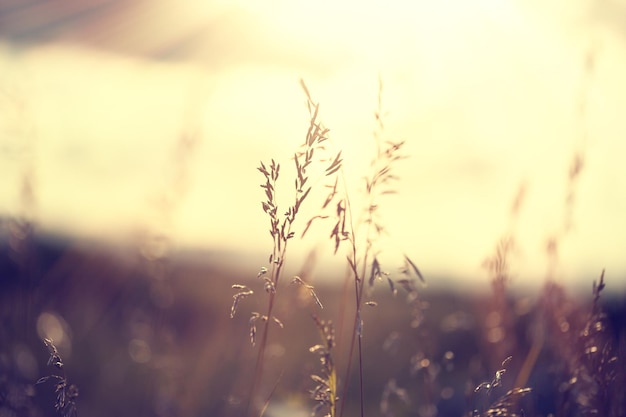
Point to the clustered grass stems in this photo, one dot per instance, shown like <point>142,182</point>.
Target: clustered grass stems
<point>281,229</point>
<point>363,252</point>
<point>592,389</point>
<point>67,393</point>
<point>325,392</point>
<point>362,259</point>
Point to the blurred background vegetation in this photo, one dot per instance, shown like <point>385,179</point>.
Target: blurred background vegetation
<point>146,336</point>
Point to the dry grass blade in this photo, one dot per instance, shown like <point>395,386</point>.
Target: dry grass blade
<point>246,292</point>
<point>375,272</point>
<point>335,165</point>
<point>306,91</point>
<point>414,268</point>
<point>310,288</point>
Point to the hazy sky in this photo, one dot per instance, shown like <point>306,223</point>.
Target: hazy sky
<point>128,117</point>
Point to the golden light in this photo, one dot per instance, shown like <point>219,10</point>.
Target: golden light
<point>486,93</point>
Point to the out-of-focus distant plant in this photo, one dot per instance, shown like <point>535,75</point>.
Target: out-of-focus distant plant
<point>66,393</point>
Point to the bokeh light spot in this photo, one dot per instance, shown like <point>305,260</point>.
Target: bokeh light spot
<point>25,362</point>
<point>495,334</point>
<point>139,351</point>
<point>52,326</point>
<point>447,393</point>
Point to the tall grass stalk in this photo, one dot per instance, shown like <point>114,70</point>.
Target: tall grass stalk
<point>307,159</point>
<point>362,252</point>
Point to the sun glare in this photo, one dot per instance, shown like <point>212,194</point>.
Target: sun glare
<point>484,93</point>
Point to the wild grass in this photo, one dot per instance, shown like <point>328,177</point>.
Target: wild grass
<point>281,222</point>
<point>432,369</point>
<point>395,351</point>
<point>325,393</point>
<point>357,231</point>
<point>595,369</point>
<point>66,393</point>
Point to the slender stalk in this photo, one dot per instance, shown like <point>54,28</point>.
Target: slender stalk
<point>258,369</point>
<point>358,292</point>
<point>281,231</point>
<point>381,175</point>
<point>277,267</point>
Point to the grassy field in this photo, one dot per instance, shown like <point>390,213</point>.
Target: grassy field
<point>146,330</point>
<point>137,346</point>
